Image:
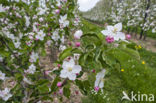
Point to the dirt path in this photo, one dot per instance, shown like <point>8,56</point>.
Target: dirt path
<point>149,43</point>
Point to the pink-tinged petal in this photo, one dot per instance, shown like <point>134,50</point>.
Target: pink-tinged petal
<point>71,76</point>
<point>118,26</point>
<point>76,69</point>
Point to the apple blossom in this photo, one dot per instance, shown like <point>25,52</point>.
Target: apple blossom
<point>100,79</point>
<point>63,21</point>
<point>5,94</point>
<point>40,35</point>
<point>70,69</point>
<point>55,35</point>
<point>114,31</point>
<point>78,34</point>
<point>32,69</point>
<point>33,57</point>
<point>2,76</point>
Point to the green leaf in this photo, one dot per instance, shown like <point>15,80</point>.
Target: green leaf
<point>54,84</point>
<point>43,88</point>
<point>66,92</point>
<point>135,54</point>
<point>83,85</point>
<point>65,53</point>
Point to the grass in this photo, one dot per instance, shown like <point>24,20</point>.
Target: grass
<point>149,57</point>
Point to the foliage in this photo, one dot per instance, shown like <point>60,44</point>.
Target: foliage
<point>28,26</point>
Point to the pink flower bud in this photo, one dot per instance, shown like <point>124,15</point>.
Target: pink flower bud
<point>38,24</point>
<point>128,36</point>
<point>41,19</point>
<point>96,89</point>
<point>57,11</point>
<point>49,34</point>
<point>77,44</point>
<point>76,92</point>
<point>47,72</point>
<point>109,39</point>
<point>60,7</point>
<point>59,84</point>
<point>93,70</point>
<point>69,43</point>
<point>69,58</point>
<point>58,65</point>
<point>60,91</point>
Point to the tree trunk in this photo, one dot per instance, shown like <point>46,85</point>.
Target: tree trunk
<point>146,15</point>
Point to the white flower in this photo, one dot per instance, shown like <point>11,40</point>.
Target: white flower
<point>62,47</point>
<point>70,70</point>
<point>78,34</point>
<point>63,21</point>
<point>34,56</point>
<point>40,35</point>
<point>32,69</point>
<point>2,76</point>
<point>1,8</point>
<point>27,20</point>
<point>55,36</point>
<point>100,79</point>
<point>41,19</point>
<point>5,94</point>
<point>17,44</point>
<point>114,31</point>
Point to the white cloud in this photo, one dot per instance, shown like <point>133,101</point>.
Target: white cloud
<point>86,4</point>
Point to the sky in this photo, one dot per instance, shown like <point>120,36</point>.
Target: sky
<point>85,5</point>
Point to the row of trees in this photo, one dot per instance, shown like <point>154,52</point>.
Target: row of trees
<point>133,13</point>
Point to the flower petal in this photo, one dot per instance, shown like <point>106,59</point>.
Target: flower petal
<point>110,28</point>
<point>97,82</point>
<point>106,32</point>
<point>72,76</point>
<point>64,74</point>
<point>121,35</point>
<point>101,84</point>
<point>118,26</point>
<point>76,69</point>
